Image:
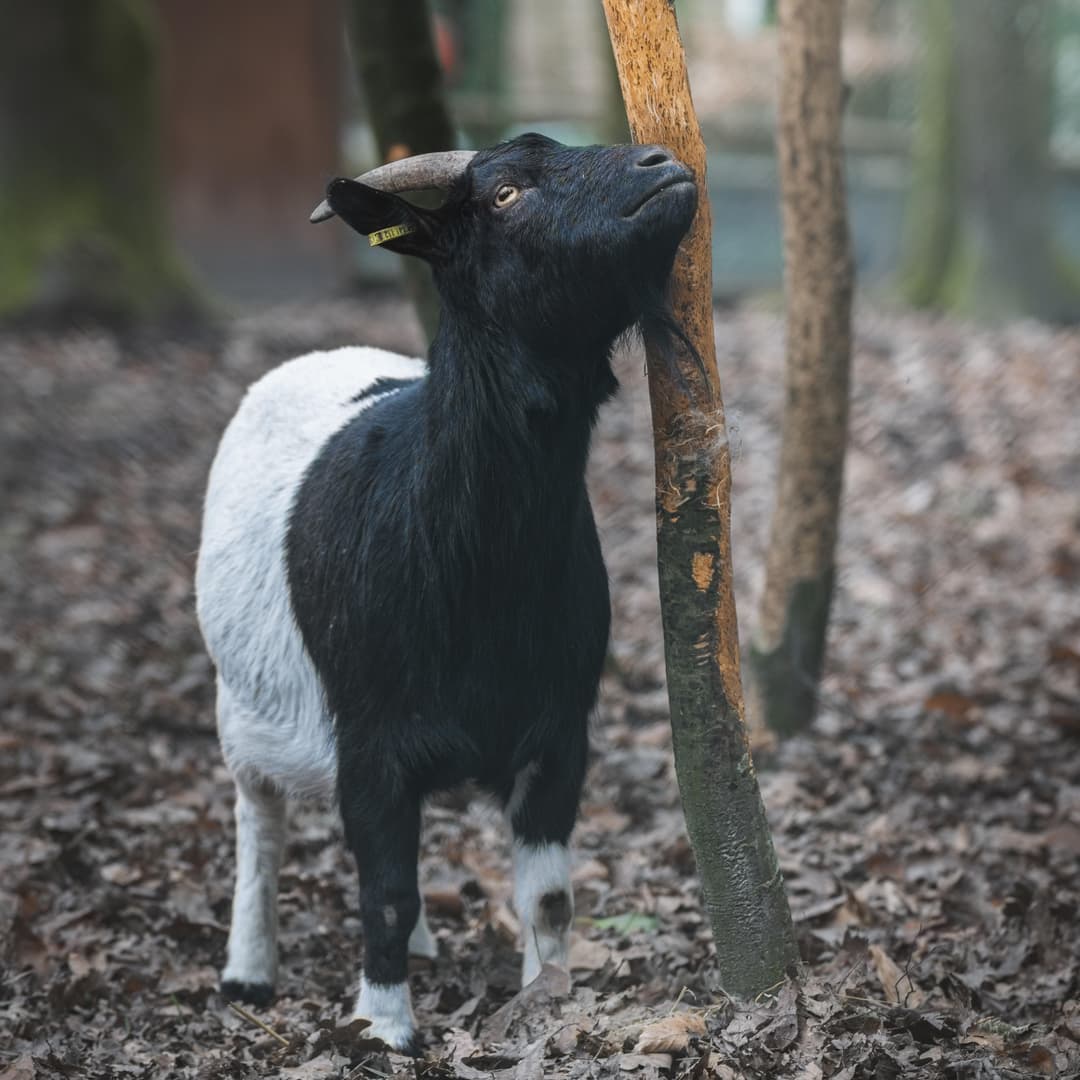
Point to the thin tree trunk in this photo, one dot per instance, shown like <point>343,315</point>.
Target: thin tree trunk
<point>400,77</point>
<point>725,817</point>
<point>789,645</point>
<point>82,214</point>
<point>980,226</point>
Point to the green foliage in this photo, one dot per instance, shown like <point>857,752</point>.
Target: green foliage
<point>627,923</point>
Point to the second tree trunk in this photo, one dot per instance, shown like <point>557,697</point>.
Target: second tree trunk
<point>788,649</point>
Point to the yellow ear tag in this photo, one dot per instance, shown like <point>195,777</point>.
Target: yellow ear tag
<point>381,236</point>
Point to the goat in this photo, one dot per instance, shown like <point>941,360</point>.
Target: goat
<point>400,581</point>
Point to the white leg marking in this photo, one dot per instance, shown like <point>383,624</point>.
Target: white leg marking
<point>421,942</point>
<point>260,834</point>
<point>389,1008</point>
<point>545,905</point>
<point>522,782</point>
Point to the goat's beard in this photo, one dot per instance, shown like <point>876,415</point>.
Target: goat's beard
<point>668,342</point>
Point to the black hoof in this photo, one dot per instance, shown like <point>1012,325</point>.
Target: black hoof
<point>259,993</point>
<point>414,1048</point>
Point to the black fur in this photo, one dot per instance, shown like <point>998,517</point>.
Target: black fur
<point>381,386</point>
<point>258,994</point>
<point>444,567</point>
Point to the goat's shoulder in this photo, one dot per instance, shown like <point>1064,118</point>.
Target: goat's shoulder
<point>320,388</point>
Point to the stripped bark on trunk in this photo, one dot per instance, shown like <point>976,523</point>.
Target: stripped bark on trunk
<point>789,644</point>
<point>741,881</point>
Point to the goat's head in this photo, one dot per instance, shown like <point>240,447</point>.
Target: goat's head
<point>547,241</point>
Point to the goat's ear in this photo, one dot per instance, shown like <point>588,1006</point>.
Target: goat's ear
<point>388,220</point>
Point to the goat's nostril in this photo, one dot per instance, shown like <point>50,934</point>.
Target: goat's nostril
<point>654,157</point>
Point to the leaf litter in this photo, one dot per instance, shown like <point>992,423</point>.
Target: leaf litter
<point>928,825</point>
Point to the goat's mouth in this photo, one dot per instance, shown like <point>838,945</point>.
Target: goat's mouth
<point>679,179</point>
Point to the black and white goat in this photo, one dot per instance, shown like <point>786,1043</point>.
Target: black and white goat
<point>400,580</point>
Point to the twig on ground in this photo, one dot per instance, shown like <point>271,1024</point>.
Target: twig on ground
<point>240,1011</point>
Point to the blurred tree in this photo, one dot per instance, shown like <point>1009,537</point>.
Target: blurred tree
<point>82,212</point>
<point>482,25</point>
<point>980,232</point>
<point>402,83</point>
<point>789,645</point>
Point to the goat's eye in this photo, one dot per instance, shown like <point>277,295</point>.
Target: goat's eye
<point>506,195</point>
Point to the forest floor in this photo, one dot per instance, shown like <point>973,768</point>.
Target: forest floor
<point>928,825</point>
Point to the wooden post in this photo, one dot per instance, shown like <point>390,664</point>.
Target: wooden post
<point>725,817</point>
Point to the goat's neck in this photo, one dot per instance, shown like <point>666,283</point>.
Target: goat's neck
<point>509,426</point>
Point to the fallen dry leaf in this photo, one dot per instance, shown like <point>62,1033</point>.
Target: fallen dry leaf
<point>669,1034</point>
<point>21,1069</point>
<point>896,984</point>
<point>587,954</point>
<point>634,1062</point>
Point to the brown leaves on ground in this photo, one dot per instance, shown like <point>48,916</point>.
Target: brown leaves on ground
<point>928,827</point>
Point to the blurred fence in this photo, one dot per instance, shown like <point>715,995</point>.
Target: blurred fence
<point>251,129</point>
<point>516,65</point>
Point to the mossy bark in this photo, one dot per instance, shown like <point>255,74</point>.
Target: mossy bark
<point>789,642</point>
<point>402,83</point>
<point>980,230</point>
<point>82,212</point>
<point>725,818</point>
<point>785,678</point>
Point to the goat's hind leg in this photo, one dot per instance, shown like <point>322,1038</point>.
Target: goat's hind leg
<point>251,968</point>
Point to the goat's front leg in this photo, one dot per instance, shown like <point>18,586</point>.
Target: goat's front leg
<point>383,833</point>
<point>251,968</point>
<point>542,809</point>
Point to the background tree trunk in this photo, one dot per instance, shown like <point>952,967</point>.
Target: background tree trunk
<point>980,237</point>
<point>82,213</point>
<point>789,645</point>
<point>403,86</point>
<point>482,25</point>
<point>725,817</point>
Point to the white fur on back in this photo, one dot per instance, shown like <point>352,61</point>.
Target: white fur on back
<point>272,717</point>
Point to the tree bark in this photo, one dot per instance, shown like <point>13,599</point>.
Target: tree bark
<point>980,227</point>
<point>789,645</point>
<point>82,211</point>
<point>403,86</point>
<point>741,881</point>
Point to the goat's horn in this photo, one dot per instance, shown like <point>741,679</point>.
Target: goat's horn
<point>410,174</point>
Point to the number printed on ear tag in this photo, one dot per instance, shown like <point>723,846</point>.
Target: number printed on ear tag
<point>380,236</point>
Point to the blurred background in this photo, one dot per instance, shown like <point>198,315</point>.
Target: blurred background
<point>158,163</point>
<point>183,142</point>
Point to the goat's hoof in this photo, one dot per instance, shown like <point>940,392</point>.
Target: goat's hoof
<point>395,1035</point>
<point>251,993</point>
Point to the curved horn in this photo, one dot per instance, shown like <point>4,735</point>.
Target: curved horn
<point>410,174</point>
